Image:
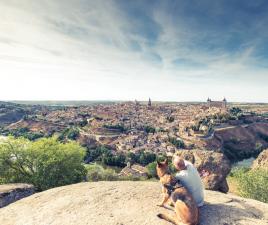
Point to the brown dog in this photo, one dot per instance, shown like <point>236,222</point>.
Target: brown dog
<point>184,205</point>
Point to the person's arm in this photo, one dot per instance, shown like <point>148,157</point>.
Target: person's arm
<point>179,176</point>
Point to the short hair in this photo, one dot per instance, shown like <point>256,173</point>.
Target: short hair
<point>178,161</point>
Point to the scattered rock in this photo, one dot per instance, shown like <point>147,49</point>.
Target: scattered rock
<point>261,161</point>
<point>125,202</point>
<point>212,166</point>
<point>10,193</point>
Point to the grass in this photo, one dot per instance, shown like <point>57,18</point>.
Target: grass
<point>249,183</point>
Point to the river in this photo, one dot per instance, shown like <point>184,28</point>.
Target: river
<point>244,163</point>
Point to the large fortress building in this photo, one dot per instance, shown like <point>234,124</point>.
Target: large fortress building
<point>218,104</point>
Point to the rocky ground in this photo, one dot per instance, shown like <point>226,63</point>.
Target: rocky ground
<point>123,203</point>
<point>13,192</point>
<point>261,161</point>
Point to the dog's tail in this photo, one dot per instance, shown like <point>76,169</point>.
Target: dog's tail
<point>168,218</point>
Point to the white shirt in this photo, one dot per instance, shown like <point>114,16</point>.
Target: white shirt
<point>190,179</point>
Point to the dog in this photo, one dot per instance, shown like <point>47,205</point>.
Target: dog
<point>186,210</point>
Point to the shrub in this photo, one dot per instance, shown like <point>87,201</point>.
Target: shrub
<point>45,163</point>
<point>141,157</point>
<point>235,111</point>
<point>177,142</point>
<point>96,172</point>
<point>69,133</point>
<point>151,167</point>
<point>106,156</point>
<point>73,134</point>
<point>149,129</point>
<point>252,183</point>
<point>170,119</point>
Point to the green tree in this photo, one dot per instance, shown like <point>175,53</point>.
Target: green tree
<point>45,163</point>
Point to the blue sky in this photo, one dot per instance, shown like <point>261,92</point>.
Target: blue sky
<point>125,50</point>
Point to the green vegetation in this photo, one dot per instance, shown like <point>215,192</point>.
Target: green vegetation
<point>23,132</point>
<point>106,156</point>
<point>141,157</point>
<point>96,172</point>
<point>251,183</point>
<point>69,133</point>
<point>149,129</point>
<point>45,163</point>
<point>170,119</point>
<point>177,142</point>
<point>235,112</point>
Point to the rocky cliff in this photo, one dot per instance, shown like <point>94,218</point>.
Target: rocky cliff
<point>240,142</point>
<point>262,161</point>
<point>123,203</point>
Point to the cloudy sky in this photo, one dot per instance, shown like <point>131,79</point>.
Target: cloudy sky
<point>184,50</point>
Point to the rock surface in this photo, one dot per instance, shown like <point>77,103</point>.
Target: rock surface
<point>12,192</point>
<point>239,142</point>
<point>214,164</point>
<point>261,161</point>
<point>123,203</point>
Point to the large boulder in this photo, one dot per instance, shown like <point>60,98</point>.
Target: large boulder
<point>124,202</point>
<point>212,166</point>
<point>262,161</point>
<point>10,193</point>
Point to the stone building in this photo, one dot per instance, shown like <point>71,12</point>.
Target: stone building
<point>218,104</point>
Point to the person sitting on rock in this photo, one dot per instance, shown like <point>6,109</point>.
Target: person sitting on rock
<point>189,177</point>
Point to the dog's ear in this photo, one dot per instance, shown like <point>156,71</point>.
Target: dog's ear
<point>158,163</point>
<point>166,162</point>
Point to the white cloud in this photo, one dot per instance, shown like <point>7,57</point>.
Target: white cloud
<point>82,50</point>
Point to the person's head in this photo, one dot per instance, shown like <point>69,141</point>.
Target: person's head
<point>178,163</point>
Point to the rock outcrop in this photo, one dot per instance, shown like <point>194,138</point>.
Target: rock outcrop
<point>261,161</point>
<point>213,166</point>
<point>10,193</point>
<point>240,142</point>
<point>126,203</point>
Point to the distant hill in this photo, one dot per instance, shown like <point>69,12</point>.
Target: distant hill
<point>64,103</point>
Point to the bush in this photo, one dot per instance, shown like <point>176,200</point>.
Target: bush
<point>106,156</point>
<point>141,157</point>
<point>69,133</point>
<point>149,129</point>
<point>252,183</point>
<point>151,167</point>
<point>96,172</point>
<point>45,163</point>
<point>170,119</point>
<point>177,142</point>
